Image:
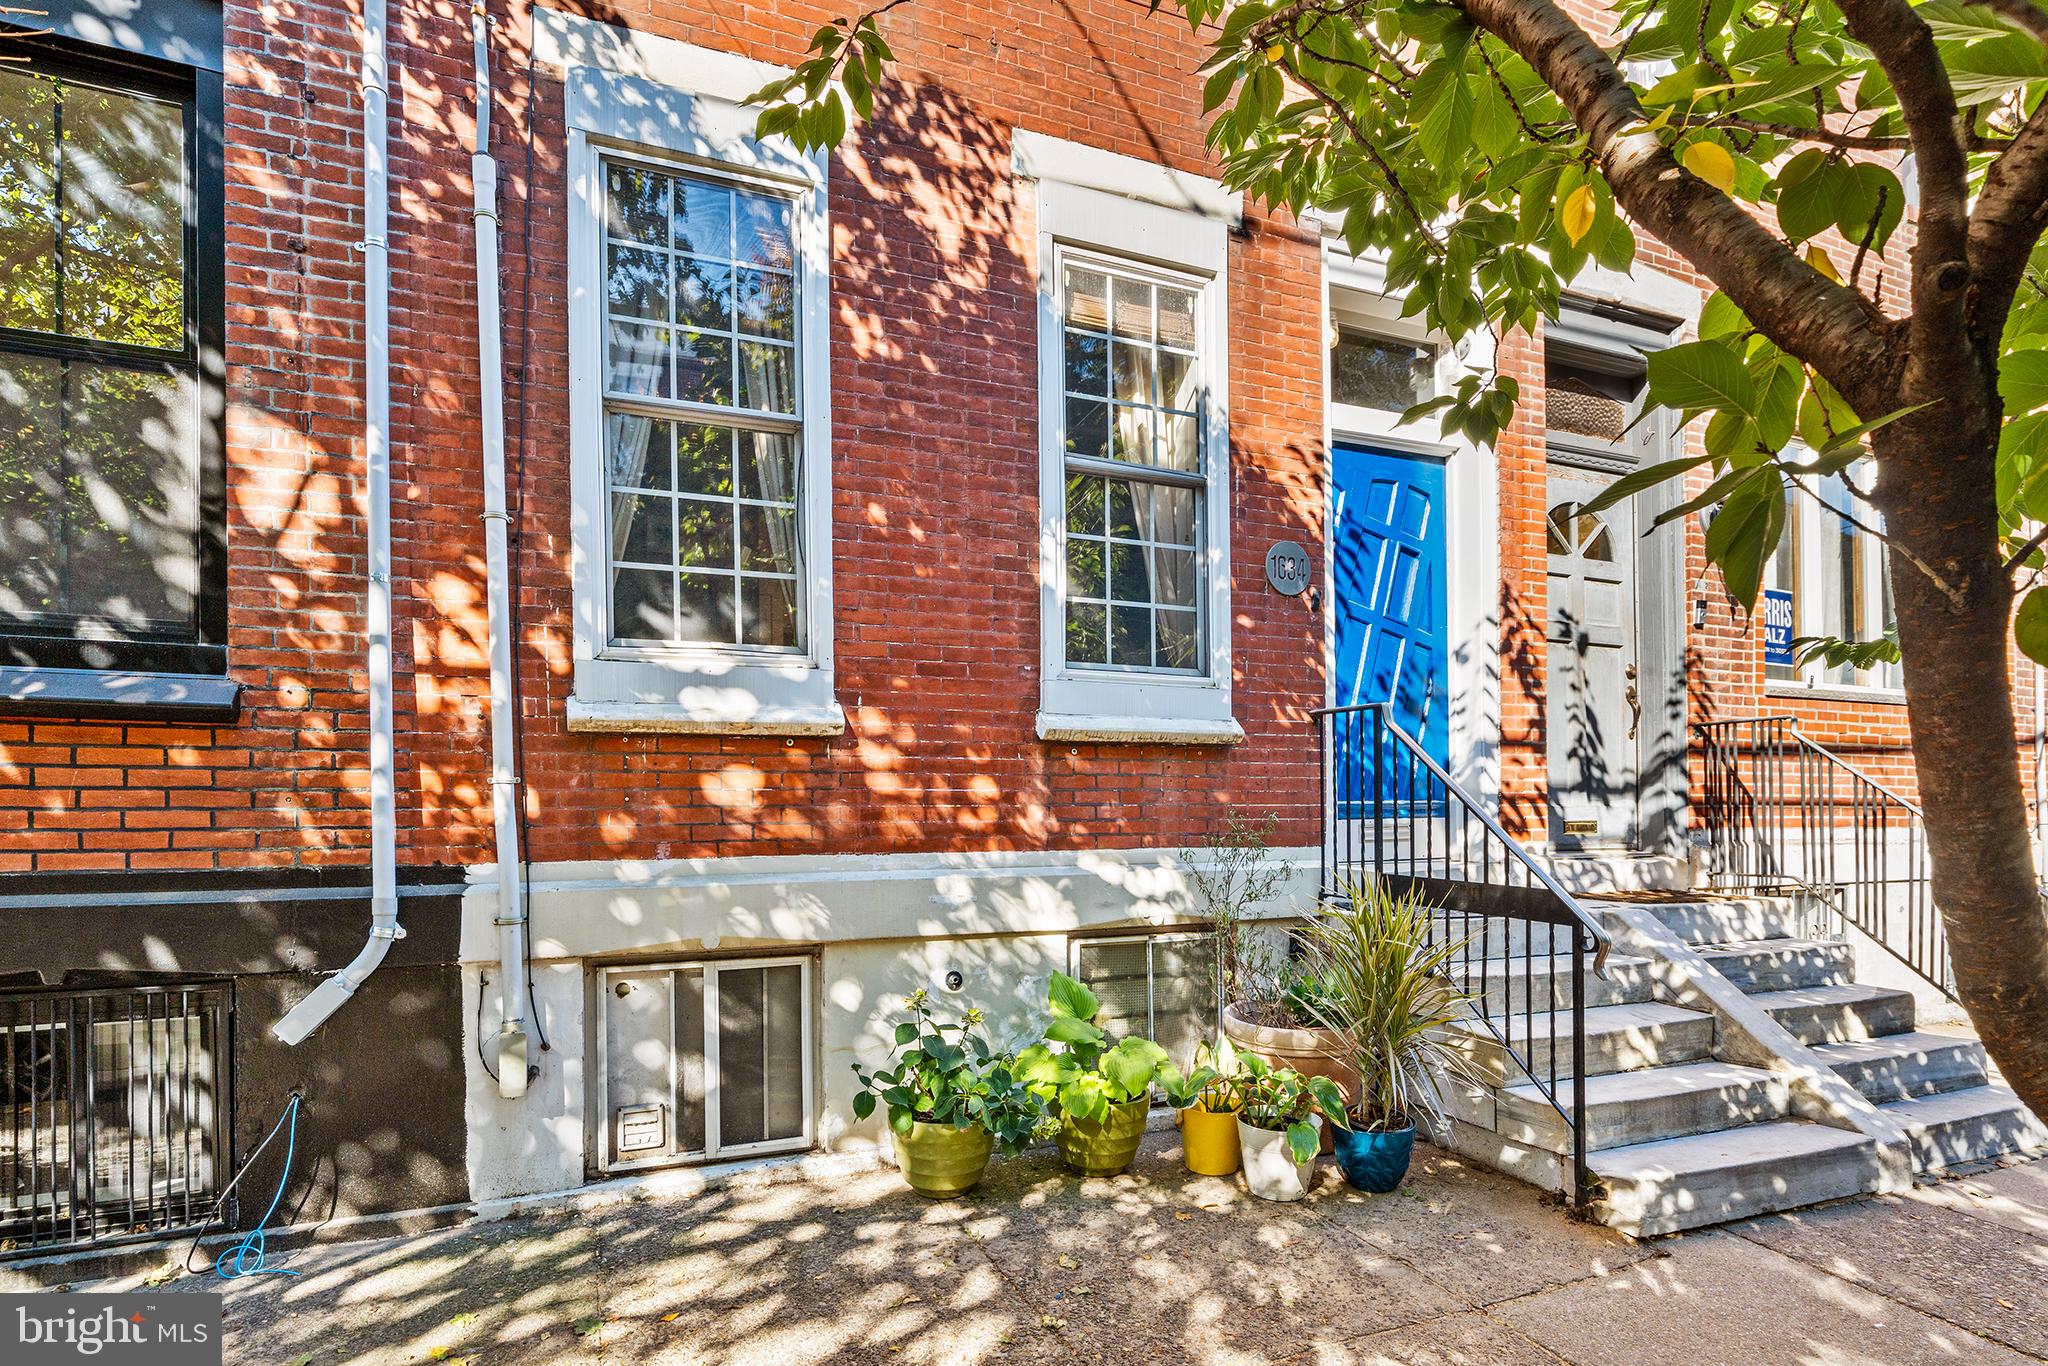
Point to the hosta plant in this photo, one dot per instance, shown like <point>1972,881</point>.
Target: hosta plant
<point>1077,1066</point>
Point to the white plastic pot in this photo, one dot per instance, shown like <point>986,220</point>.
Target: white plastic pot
<point>1269,1166</point>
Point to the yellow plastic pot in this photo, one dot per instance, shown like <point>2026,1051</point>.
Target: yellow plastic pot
<point>1105,1147</point>
<point>1209,1141</point>
<point>941,1161</point>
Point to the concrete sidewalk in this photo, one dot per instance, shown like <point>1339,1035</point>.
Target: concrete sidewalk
<point>1156,1267</point>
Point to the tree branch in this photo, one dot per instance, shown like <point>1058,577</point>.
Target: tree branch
<point>1948,590</point>
<point>2011,214</point>
<point>1830,326</point>
<point>1827,137</point>
<point>1904,48</point>
<point>2019,557</point>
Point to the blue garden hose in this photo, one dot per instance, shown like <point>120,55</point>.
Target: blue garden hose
<point>247,1255</point>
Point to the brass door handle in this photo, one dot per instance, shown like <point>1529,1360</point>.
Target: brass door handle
<point>1635,703</point>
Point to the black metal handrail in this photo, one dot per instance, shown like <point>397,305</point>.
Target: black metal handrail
<point>1393,815</point>
<point>1780,811</point>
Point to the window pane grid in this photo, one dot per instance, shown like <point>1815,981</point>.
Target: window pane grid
<point>1131,393</point>
<point>700,312</point>
<point>102,411</point>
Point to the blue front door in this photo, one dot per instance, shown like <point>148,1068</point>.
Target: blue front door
<point>1387,534</point>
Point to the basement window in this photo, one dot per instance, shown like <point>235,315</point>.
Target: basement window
<point>702,1061</point>
<point>1162,986</point>
<point>114,1108</point>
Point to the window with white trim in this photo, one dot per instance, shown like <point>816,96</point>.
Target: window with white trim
<point>1134,481</point>
<point>1132,433</point>
<point>702,414</point>
<point>700,434</point>
<point>705,1060</point>
<point>1838,575</point>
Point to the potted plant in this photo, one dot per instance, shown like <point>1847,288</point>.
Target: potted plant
<point>1279,1126</point>
<point>1206,1102</point>
<point>951,1099</point>
<point>1101,1090</point>
<point>1284,1026</point>
<point>1389,998</point>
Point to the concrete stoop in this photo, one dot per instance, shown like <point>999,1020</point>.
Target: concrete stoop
<point>1733,1067</point>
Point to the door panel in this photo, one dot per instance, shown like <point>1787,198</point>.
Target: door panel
<point>1592,692</point>
<point>1387,539</point>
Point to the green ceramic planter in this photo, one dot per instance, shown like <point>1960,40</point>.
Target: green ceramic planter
<point>1106,1148</point>
<point>941,1161</point>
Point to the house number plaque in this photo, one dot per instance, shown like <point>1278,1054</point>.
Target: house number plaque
<point>1288,568</point>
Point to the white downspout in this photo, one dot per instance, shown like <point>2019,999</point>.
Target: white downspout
<point>331,994</point>
<point>511,917</point>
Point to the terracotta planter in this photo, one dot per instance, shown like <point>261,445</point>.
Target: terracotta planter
<point>1311,1052</point>
<point>1209,1141</point>
<point>1106,1148</point>
<point>941,1161</point>
<point>1270,1171</point>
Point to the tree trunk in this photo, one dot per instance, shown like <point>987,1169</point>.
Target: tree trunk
<point>1936,489</point>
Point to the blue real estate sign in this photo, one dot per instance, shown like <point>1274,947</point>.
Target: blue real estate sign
<point>1777,627</point>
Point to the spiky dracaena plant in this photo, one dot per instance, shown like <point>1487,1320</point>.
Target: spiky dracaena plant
<point>1388,997</point>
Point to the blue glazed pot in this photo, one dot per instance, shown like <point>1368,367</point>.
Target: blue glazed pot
<point>1372,1161</point>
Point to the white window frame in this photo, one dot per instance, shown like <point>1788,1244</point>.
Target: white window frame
<point>1814,531</point>
<point>1161,223</point>
<point>672,106</point>
<point>713,1150</point>
<point>1150,941</point>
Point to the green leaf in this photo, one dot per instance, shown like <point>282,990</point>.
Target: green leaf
<point>1818,200</point>
<point>2023,381</point>
<point>905,1032</point>
<point>901,1119</point>
<point>1743,536</point>
<point>1721,318</point>
<point>1303,1140</point>
<point>1071,1000</point>
<point>1992,68</point>
<point>1060,1029</point>
<point>2030,626</point>
<point>1635,482</point>
<point>863,1104</point>
<point>1701,374</point>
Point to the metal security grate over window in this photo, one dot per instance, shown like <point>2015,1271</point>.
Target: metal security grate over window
<point>116,1105</point>
<point>1160,985</point>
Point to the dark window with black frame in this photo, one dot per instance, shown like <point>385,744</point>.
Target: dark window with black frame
<point>111,399</point>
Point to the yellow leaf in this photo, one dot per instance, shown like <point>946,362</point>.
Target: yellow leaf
<point>1710,162</point>
<point>1577,214</point>
<point>1821,262</point>
<point>1274,52</point>
<point>671,1317</point>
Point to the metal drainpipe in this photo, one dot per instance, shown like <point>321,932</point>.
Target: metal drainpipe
<point>334,992</point>
<point>511,918</point>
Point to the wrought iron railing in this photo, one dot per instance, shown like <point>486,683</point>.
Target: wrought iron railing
<point>1780,812</point>
<point>116,1115</point>
<point>1394,816</point>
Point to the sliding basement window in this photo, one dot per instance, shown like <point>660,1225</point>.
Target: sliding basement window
<point>702,1061</point>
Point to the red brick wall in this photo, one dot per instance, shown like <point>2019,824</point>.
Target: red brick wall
<point>935,477</point>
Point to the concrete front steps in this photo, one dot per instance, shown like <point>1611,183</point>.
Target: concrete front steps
<point>1679,1137</point>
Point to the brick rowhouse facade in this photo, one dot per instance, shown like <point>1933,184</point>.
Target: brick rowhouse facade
<point>239,849</point>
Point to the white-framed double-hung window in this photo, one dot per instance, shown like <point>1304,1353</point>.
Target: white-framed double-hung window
<point>1134,449</point>
<point>700,436</point>
<point>1837,575</point>
<point>1136,481</point>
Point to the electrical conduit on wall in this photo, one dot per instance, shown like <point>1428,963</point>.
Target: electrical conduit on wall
<point>511,918</point>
